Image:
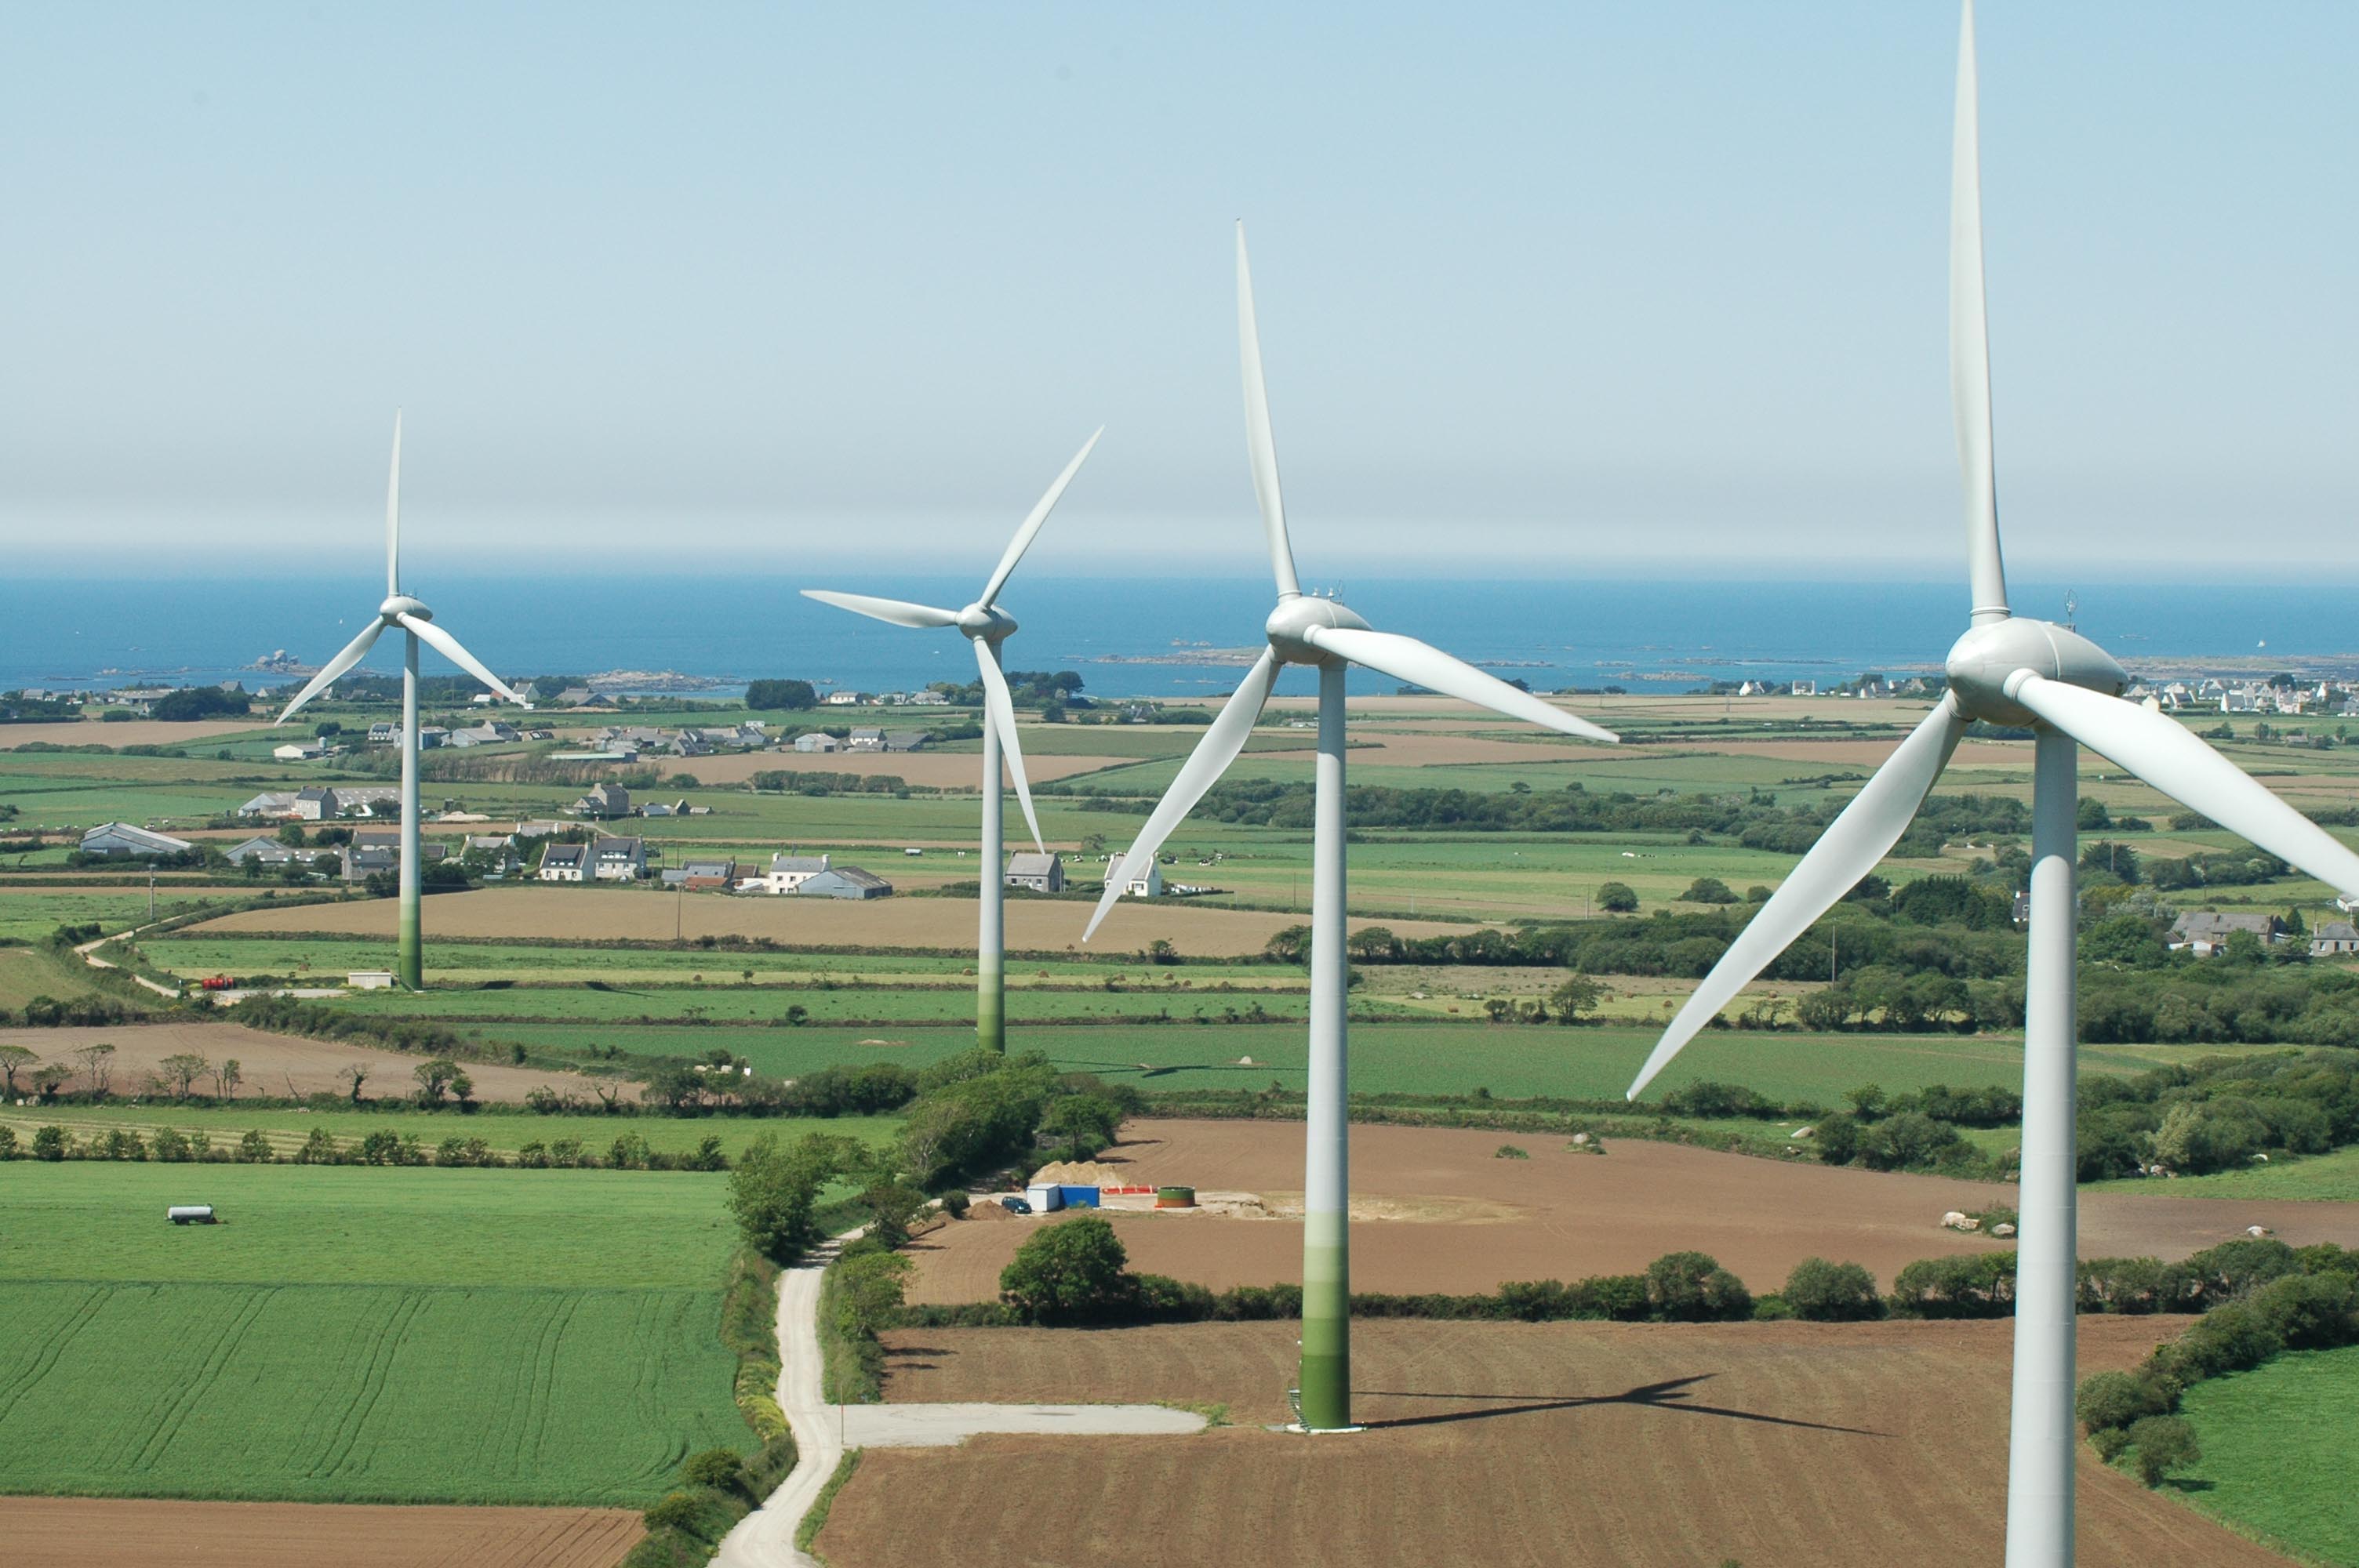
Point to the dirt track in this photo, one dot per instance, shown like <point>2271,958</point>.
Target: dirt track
<point>929,922</point>
<point>79,1532</point>
<point>275,1064</point>
<point>1839,1446</point>
<point>1464,1220</point>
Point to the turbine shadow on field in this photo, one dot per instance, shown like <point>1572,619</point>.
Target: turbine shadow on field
<point>1664,1395</point>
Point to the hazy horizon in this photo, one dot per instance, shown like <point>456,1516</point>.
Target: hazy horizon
<point>1616,295</point>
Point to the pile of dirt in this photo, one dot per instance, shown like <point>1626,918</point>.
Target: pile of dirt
<point>1081,1174</point>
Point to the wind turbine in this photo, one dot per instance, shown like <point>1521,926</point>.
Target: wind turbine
<point>2011,671</point>
<point>1320,633</point>
<point>987,626</point>
<point>416,623</point>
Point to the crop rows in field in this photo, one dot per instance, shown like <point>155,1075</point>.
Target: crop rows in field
<point>357,1393</point>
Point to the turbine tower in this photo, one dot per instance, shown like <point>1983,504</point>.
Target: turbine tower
<point>985,625</point>
<point>2010,671</point>
<point>1320,633</point>
<point>416,623</point>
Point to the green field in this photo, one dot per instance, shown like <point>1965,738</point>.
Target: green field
<point>2332,1177</point>
<point>767,1004</point>
<point>2276,1452</point>
<point>348,1335</point>
<point>1511,1061</point>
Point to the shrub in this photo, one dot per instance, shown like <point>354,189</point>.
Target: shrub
<point>7,1144</point>
<point>721,1469</point>
<point>955,1202</point>
<point>1617,898</point>
<point>254,1149</point>
<point>1508,1151</point>
<point>1708,890</point>
<point>1821,1292</point>
<point>1071,1271</point>
<point>2164,1444</point>
<point>2113,1400</point>
<point>1691,1287</point>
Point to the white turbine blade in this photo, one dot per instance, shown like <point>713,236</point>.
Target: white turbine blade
<point>1023,540</point>
<point>393,515</point>
<point>2164,754</point>
<point>1261,445</point>
<point>448,646</point>
<point>900,611</point>
<point>999,712</point>
<point>1969,369</point>
<point>1223,740</point>
<point>353,653</point>
<point>1421,663</point>
<point>1848,849</point>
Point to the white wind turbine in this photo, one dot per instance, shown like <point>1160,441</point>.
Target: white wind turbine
<point>987,626</point>
<point>2015,672</point>
<point>417,623</point>
<point>1322,633</point>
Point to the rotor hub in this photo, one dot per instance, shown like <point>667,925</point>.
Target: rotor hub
<point>402,604</point>
<point>986,623</point>
<point>1984,666</point>
<point>1295,616</point>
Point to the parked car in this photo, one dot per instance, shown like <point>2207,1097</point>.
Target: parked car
<point>1016,1205</point>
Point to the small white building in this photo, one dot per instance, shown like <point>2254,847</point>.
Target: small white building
<point>815,741</point>
<point>1034,872</point>
<point>1150,885</point>
<point>120,841</point>
<point>843,698</point>
<point>618,860</point>
<point>300,752</point>
<point>789,872</point>
<point>564,863</point>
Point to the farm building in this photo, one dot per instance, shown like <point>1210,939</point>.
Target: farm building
<point>1037,873</point>
<point>267,852</point>
<point>789,872</point>
<point>1147,886</point>
<point>300,752</point>
<point>844,881</point>
<point>866,739</point>
<point>270,802</point>
<point>369,853</point>
<point>2207,931</point>
<point>698,875</point>
<point>604,800</point>
<point>815,741</point>
<point>120,841</point>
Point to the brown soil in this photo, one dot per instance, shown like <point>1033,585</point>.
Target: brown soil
<point>1433,1209</point>
<point>81,1532</point>
<point>272,1063</point>
<point>131,732</point>
<point>1503,1444</point>
<point>926,922</point>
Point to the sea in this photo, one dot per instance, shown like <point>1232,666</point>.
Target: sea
<point>1138,637</point>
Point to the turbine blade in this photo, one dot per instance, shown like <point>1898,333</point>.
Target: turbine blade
<point>1261,445</point>
<point>1225,737</point>
<point>1851,845</point>
<point>1420,664</point>
<point>1023,540</point>
<point>2162,752</point>
<point>354,652</point>
<point>448,646</point>
<point>1970,370</point>
<point>999,712</point>
<point>393,515</point>
<point>900,611</point>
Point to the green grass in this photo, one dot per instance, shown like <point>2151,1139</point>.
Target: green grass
<point>351,1334</point>
<point>2328,1178</point>
<point>1512,1061</point>
<point>766,1004</point>
<point>2276,1460</point>
<point>352,1393</point>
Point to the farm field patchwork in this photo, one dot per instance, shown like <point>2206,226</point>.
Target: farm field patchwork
<point>2274,1455</point>
<point>1533,1445</point>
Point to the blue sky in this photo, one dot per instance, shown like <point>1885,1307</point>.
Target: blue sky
<point>1544,290</point>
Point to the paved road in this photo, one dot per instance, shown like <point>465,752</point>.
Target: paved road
<point>89,950</point>
<point>938,1426</point>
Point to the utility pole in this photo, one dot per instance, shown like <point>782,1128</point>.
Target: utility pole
<point>151,897</point>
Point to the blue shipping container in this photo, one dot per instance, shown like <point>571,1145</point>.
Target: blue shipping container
<point>1078,1198</point>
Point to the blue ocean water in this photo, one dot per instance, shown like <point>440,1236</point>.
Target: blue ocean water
<point>1664,636</point>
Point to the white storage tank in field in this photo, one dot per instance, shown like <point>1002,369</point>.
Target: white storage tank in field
<point>1044,1197</point>
<point>190,1214</point>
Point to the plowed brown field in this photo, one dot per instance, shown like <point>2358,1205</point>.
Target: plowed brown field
<point>78,1532</point>
<point>1454,1218</point>
<point>949,923</point>
<point>273,1064</point>
<point>1538,1445</point>
<point>935,770</point>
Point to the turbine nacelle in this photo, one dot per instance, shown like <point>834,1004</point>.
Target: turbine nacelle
<point>400,604</point>
<point>986,623</point>
<point>1297,616</point>
<point>1985,667</point>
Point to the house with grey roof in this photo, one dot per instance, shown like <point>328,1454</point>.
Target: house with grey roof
<point>605,801</point>
<point>618,860</point>
<point>815,740</point>
<point>789,872</point>
<point>369,854</point>
<point>2336,939</point>
<point>866,738</point>
<point>270,802</point>
<point>2205,931</point>
<point>267,851</point>
<point>1146,884</point>
<point>564,863</point>
<point>700,875</point>
<point>1034,872</point>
